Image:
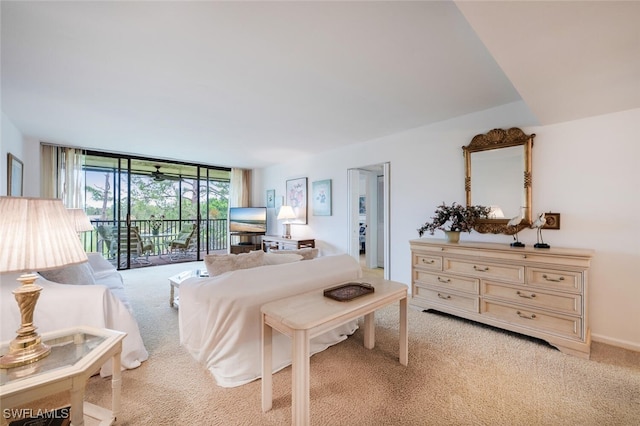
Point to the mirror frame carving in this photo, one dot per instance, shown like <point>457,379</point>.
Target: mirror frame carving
<point>496,139</point>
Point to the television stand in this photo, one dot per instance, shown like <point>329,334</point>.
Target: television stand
<point>239,243</point>
<point>280,243</point>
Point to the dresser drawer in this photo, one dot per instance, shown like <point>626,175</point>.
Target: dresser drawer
<point>449,299</point>
<point>564,302</point>
<point>559,324</point>
<point>470,285</point>
<point>555,279</point>
<point>512,273</point>
<point>427,261</point>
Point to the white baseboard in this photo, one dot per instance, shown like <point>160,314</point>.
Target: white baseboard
<point>632,346</point>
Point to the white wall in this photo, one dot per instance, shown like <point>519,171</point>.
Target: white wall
<point>582,169</point>
<point>11,142</point>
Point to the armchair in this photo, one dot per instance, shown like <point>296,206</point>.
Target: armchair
<point>108,240</point>
<point>184,244</point>
<point>143,246</point>
<point>138,247</point>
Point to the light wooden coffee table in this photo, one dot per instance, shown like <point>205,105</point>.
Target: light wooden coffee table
<point>307,315</point>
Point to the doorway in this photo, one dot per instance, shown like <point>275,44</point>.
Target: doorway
<point>369,206</point>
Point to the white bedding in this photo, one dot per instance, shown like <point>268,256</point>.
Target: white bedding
<point>220,322</point>
<point>64,305</point>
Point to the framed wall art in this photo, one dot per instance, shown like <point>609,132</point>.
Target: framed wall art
<point>296,197</point>
<point>271,198</point>
<point>15,174</point>
<point>552,221</point>
<point>321,195</point>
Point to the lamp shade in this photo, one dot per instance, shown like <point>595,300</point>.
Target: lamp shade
<point>37,234</point>
<point>286,212</point>
<point>80,220</point>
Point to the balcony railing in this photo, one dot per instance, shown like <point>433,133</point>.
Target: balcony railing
<point>212,235</point>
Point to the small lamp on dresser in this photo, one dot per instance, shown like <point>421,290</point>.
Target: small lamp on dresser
<point>286,213</point>
<point>37,234</point>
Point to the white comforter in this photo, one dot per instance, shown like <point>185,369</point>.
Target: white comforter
<point>64,305</point>
<point>220,323</point>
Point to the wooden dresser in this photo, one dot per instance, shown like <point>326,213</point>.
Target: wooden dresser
<point>536,292</point>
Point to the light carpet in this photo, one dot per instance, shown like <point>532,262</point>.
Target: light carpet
<point>459,373</point>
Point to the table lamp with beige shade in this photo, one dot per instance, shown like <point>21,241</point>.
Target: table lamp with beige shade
<point>286,213</point>
<point>80,220</point>
<point>37,234</point>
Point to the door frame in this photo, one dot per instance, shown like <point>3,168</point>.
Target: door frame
<point>371,172</point>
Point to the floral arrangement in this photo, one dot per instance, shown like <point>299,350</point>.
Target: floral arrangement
<point>156,224</point>
<point>454,218</point>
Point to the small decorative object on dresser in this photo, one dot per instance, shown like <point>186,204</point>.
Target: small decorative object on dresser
<point>539,293</point>
<point>513,223</point>
<point>539,224</point>
<point>454,219</point>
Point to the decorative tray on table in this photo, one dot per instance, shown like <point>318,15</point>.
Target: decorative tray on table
<point>348,291</point>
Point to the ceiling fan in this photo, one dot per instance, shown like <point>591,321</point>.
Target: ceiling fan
<point>158,176</point>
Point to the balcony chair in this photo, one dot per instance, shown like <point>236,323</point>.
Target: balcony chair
<point>184,245</point>
<point>107,238</point>
<point>140,248</point>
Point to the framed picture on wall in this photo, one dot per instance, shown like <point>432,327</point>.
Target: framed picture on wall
<point>321,193</point>
<point>15,174</point>
<point>271,198</point>
<point>296,197</point>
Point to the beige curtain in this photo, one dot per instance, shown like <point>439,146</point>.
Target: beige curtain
<point>48,171</point>
<point>62,175</point>
<point>240,188</point>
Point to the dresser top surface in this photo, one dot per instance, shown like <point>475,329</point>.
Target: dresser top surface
<point>498,247</point>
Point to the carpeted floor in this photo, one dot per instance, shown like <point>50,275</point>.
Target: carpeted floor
<point>459,373</point>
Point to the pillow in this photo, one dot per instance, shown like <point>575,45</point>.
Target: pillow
<point>80,274</point>
<point>273,259</point>
<point>217,264</point>
<point>306,253</point>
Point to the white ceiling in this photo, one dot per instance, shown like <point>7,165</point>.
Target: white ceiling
<point>249,84</point>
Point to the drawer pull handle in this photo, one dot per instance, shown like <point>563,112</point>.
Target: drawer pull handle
<point>430,261</point>
<point>531,296</point>
<point>521,315</point>
<point>479,269</point>
<point>553,280</point>
<point>444,281</point>
<point>444,297</point>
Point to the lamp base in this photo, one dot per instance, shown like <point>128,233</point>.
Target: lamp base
<point>32,353</point>
<point>27,347</point>
<point>286,228</point>
<point>517,244</point>
<point>541,245</point>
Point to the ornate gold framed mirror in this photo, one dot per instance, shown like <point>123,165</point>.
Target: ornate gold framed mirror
<point>498,174</point>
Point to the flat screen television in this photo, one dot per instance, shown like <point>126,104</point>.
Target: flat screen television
<point>248,220</point>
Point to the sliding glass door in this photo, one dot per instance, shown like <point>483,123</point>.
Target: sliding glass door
<point>150,211</point>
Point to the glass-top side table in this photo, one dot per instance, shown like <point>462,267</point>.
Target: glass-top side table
<point>76,354</point>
